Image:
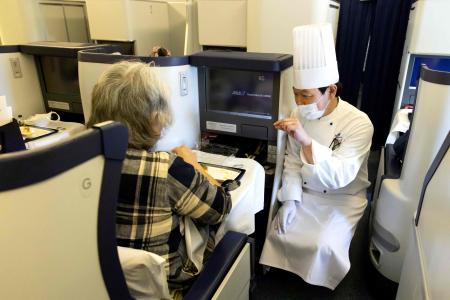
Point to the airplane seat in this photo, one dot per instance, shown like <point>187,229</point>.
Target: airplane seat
<point>231,277</point>
<point>61,244</point>
<point>56,218</point>
<point>228,273</point>
<point>360,241</point>
<point>174,71</point>
<point>427,258</point>
<point>398,185</point>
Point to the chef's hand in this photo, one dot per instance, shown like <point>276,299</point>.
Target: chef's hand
<point>285,216</point>
<point>293,127</point>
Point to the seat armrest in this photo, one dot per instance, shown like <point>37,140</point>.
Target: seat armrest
<point>217,266</point>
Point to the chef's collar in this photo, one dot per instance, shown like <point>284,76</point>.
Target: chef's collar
<point>333,113</point>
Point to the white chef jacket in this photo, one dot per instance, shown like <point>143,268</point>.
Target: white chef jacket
<point>331,195</point>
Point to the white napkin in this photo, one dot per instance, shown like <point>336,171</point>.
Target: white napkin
<point>5,112</point>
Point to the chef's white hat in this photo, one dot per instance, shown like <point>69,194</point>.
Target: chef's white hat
<point>315,62</point>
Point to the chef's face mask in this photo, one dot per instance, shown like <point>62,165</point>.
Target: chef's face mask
<point>312,111</point>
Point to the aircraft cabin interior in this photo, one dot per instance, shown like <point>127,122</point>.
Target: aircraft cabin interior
<point>225,149</point>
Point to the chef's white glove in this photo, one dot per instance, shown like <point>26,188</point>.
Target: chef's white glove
<point>285,216</point>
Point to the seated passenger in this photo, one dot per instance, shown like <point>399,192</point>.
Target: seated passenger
<point>158,51</point>
<point>158,189</point>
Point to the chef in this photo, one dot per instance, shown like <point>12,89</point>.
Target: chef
<point>324,181</point>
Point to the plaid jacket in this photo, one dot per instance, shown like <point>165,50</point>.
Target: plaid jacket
<point>156,190</point>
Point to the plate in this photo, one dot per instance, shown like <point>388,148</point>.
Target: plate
<point>34,132</point>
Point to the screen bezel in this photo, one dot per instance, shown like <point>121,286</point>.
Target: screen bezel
<point>238,120</point>
<point>72,99</point>
<point>46,79</point>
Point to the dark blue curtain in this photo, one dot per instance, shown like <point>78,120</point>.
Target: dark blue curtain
<point>383,64</point>
<point>355,24</point>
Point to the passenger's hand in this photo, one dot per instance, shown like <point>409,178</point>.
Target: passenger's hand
<point>294,128</point>
<point>285,216</point>
<point>189,156</point>
<point>186,154</point>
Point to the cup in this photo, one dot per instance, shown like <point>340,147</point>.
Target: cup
<point>42,120</point>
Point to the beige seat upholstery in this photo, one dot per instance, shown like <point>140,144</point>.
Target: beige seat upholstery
<point>57,218</point>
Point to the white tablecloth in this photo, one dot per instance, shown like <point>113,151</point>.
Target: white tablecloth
<point>248,199</point>
<point>400,124</point>
<point>65,130</point>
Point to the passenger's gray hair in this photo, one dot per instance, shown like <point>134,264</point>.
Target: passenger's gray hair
<point>133,94</point>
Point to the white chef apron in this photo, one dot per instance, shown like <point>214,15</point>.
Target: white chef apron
<point>316,245</point>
